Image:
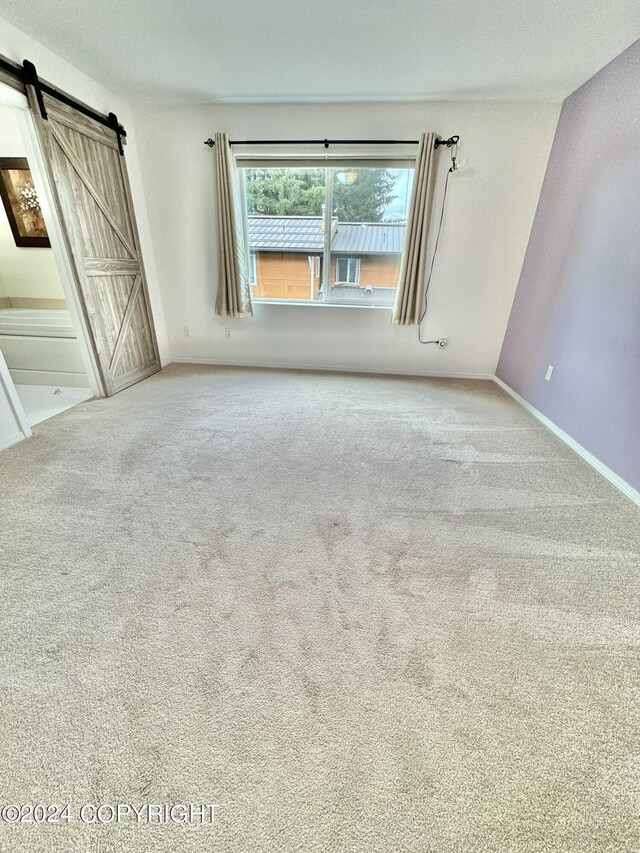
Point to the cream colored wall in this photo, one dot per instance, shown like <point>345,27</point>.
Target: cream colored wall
<point>25,273</point>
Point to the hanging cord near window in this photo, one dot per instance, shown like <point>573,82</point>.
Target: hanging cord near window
<point>452,168</point>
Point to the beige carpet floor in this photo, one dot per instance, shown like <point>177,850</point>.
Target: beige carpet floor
<point>357,613</point>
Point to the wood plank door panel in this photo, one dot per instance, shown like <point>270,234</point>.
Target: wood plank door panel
<point>92,194</point>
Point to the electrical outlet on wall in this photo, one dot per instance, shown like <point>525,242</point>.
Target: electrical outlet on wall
<point>227,332</point>
<point>549,372</point>
<point>187,331</point>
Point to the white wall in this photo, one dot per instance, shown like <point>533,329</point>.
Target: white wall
<point>25,273</point>
<point>490,211</point>
<point>16,45</point>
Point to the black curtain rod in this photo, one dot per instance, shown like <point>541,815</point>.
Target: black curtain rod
<point>19,72</point>
<point>453,140</point>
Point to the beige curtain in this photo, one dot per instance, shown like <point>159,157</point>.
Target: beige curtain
<point>234,297</point>
<point>413,270</point>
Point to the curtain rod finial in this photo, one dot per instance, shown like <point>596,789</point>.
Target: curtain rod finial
<point>450,142</point>
<point>209,142</point>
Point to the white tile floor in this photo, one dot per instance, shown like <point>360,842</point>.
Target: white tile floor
<point>41,402</point>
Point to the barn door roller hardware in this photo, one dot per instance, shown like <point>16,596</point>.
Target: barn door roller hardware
<point>30,77</point>
<point>26,75</point>
<point>118,129</point>
<point>450,142</point>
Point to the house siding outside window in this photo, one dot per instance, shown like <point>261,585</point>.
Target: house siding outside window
<point>288,258</point>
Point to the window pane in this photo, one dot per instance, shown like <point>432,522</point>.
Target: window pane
<point>287,212</point>
<point>347,270</point>
<point>369,215</point>
<point>285,230</point>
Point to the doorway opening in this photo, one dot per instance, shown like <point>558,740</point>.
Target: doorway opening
<point>39,339</point>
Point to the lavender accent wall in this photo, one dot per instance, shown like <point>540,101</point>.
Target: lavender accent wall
<point>577,306</point>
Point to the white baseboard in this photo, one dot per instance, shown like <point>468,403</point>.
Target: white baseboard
<point>601,468</point>
<point>13,439</point>
<point>329,368</point>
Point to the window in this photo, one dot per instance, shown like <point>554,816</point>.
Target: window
<point>347,270</point>
<point>326,235</point>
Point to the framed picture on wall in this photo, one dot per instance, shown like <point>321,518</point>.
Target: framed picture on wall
<point>21,203</point>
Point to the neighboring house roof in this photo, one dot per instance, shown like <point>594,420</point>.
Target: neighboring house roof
<point>369,238</point>
<point>305,234</point>
<point>285,233</point>
<point>355,291</point>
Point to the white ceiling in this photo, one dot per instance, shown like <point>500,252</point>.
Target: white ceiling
<point>257,50</point>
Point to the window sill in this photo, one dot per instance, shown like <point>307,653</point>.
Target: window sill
<point>309,304</point>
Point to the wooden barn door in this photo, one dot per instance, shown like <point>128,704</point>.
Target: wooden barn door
<point>91,192</point>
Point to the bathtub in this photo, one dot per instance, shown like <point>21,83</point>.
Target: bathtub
<point>41,347</point>
<point>36,322</point>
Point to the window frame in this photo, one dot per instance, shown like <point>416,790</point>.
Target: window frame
<point>245,164</point>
